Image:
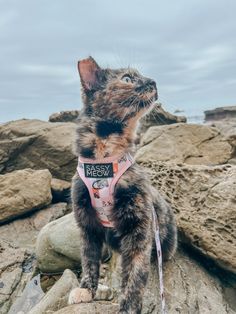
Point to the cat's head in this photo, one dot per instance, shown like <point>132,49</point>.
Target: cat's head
<point>119,94</point>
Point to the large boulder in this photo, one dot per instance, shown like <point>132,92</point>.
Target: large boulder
<point>221,113</point>
<point>23,191</point>
<point>38,145</point>
<point>184,143</point>
<point>58,245</point>
<point>204,201</point>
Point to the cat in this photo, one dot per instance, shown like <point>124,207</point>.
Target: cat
<point>114,101</point>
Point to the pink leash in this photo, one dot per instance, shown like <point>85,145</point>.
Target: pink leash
<point>159,258</point>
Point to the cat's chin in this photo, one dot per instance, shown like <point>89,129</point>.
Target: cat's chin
<point>146,104</point>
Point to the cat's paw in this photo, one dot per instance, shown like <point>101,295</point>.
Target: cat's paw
<point>80,295</point>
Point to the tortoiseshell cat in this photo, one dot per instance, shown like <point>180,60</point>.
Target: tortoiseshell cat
<point>114,100</point>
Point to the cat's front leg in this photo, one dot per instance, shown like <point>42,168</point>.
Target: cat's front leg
<point>91,251</point>
<point>135,268</point>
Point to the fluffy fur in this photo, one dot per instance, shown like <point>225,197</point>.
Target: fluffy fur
<point>114,100</point>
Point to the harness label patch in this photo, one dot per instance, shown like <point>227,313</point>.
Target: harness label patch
<point>98,170</point>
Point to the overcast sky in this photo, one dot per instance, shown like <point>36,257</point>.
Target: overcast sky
<point>187,46</point>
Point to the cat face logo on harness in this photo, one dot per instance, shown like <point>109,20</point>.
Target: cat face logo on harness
<point>98,170</point>
<point>100,184</point>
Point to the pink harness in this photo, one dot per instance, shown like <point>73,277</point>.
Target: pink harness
<point>100,177</point>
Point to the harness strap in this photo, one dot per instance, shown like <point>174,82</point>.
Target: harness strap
<point>159,258</point>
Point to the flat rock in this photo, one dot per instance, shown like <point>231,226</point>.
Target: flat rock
<point>204,201</point>
<point>23,191</point>
<point>184,143</point>
<point>221,113</point>
<point>38,145</point>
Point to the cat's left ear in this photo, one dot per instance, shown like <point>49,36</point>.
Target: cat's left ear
<point>90,74</point>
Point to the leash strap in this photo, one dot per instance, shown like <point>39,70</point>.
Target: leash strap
<point>159,258</point>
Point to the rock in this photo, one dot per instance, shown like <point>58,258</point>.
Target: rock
<point>64,116</point>
<point>189,288</point>
<point>221,113</point>
<point>51,213</point>
<point>38,145</point>
<point>204,201</point>
<point>58,245</point>
<point>90,308</point>
<point>60,190</point>
<point>17,265</point>
<point>228,130</point>
<point>23,232</point>
<point>31,295</point>
<point>158,116</point>
<point>184,143</point>
<point>11,271</point>
<point>57,297</point>
<point>23,191</point>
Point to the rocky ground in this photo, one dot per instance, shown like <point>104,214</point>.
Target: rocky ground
<point>192,165</point>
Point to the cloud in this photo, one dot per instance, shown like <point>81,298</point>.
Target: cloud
<point>188,47</point>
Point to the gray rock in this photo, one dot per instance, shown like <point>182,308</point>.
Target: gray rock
<point>38,145</point>
<point>57,297</point>
<point>58,245</point>
<point>23,191</point>
<point>31,295</point>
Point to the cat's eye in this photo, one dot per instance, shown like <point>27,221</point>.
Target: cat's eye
<point>127,78</point>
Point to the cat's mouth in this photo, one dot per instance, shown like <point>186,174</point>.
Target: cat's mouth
<point>147,99</point>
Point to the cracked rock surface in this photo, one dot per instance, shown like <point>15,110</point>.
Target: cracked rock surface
<point>204,201</point>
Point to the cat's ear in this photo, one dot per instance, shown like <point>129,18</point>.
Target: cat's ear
<point>90,74</point>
